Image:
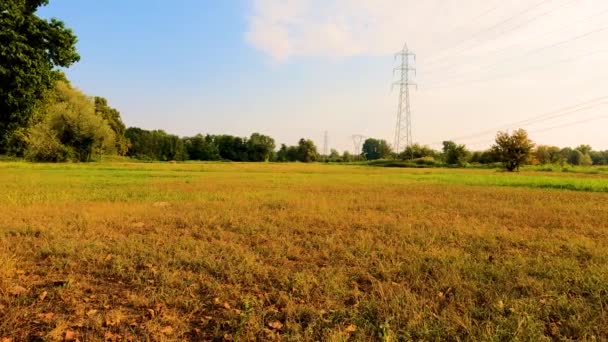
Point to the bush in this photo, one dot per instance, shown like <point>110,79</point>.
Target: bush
<point>427,161</point>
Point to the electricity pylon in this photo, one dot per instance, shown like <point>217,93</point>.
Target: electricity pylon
<point>358,142</point>
<point>403,128</point>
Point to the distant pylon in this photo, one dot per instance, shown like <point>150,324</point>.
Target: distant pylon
<point>325,143</point>
<point>358,141</point>
<point>403,128</point>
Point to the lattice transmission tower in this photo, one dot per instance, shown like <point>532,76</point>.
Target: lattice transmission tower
<point>358,140</point>
<point>403,128</point>
<point>325,144</point>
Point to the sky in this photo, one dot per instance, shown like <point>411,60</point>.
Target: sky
<point>298,68</point>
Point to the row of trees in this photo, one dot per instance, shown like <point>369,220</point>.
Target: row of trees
<point>159,145</point>
<point>512,150</point>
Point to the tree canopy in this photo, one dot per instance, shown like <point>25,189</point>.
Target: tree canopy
<point>375,149</point>
<point>30,50</point>
<point>454,154</point>
<point>67,128</point>
<point>513,150</point>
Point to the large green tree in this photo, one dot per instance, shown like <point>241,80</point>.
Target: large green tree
<point>260,147</point>
<point>513,150</point>
<point>67,128</point>
<point>306,151</point>
<point>454,154</point>
<point>375,149</point>
<point>30,49</point>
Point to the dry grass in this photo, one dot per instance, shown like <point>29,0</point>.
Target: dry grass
<point>298,252</point>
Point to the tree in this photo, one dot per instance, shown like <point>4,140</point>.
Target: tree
<point>586,160</point>
<point>112,116</point>
<point>30,49</point>
<point>577,157</point>
<point>416,151</point>
<point>282,154</point>
<point>201,147</point>
<point>599,158</point>
<point>307,151</point>
<point>513,150</point>
<point>260,147</point>
<point>334,156</point>
<point>585,149</point>
<point>155,145</point>
<point>547,154</point>
<point>375,149</point>
<point>347,157</point>
<point>454,154</point>
<point>67,128</point>
<point>232,148</point>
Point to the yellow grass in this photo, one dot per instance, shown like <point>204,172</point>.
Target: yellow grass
<point>207,251</point>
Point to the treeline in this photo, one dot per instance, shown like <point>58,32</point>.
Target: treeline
<point>511,150</point>
<point>159,145</point>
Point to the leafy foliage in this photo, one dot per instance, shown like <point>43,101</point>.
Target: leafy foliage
<point>454,154</point>
<point>155,145</point>
<point>513,150</point>
<point>112,117</point>
<point>416,151</point>
<point>68,128</point>
<point>30,49</point>
<point>375,149</point>
<point>201,147</point>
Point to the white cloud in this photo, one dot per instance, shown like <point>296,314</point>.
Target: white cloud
<point>326,28</point>
<point>285,29</point>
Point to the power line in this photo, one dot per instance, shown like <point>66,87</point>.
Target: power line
<point>493,66</point>
<point>533,68</point>
<point>572,123</point>
<point>569,124</point>
<point>561,112</point>
<point>448,65</point>
<point>474,36</point>
<point>479,16</point>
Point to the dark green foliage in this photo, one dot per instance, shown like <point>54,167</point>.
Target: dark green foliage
<point>307,151</point>
<point>282,154</point>
<point>483,157</point>
<point>201,147</point>
<point>232,148</point>
<point>154,145</point>
<point>260,147</point>
<point>599,157</point>
<point>30,49</point>
<point>375,149</point>
<point>158,145</point>
<point>454,154</point>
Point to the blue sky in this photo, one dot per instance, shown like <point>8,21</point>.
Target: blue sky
<point>295,68</point>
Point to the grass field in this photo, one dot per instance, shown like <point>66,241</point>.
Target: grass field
<point>220,251</point>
